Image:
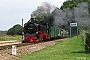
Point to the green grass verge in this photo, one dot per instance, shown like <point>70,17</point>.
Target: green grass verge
<point>71,49</point>
<point>8,37</point>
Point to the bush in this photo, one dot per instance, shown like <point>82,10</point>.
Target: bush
<point>15,30</point>
<point>87,45</point>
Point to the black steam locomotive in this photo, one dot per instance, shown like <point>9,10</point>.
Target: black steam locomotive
<point>37,31</point>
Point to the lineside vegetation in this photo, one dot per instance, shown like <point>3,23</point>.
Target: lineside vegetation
<point>10,37</point>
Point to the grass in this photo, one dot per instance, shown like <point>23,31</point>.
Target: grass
<point>9,37</point>
<point>71,49</point>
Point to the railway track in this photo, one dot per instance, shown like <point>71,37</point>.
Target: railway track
<point>5,43</point>
<point>25,48</point>
<point>8,44</point>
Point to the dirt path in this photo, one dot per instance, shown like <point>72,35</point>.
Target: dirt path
<point>23,50</point>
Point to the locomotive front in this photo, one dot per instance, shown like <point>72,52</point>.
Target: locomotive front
<point>30,31</point>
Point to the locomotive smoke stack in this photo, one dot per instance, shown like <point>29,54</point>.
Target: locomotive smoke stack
<point>32,18</point>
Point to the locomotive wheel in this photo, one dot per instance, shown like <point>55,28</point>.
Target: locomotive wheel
<point>45,40</point>
<point>40,38</point>
<point>23,42</point>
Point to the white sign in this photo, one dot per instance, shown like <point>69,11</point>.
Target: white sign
<point>13,49</point>
<point>73,24</point>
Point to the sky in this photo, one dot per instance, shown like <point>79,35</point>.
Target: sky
<point>12,11</point>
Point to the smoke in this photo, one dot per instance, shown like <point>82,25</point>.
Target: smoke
<point>61,16</point>
<point>81,14</point>
<point>78,14</point>
<point>45,7</point>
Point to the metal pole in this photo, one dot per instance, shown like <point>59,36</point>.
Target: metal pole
<point>22,28</point>
<point>77,31</point>
<point>70,31</point>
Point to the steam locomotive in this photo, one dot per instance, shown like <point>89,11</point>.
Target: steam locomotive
<point>37,31</point>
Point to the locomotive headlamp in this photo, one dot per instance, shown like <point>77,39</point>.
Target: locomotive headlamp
<point>36,32</point>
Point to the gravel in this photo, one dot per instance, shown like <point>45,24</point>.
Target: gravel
<point>28,49</point>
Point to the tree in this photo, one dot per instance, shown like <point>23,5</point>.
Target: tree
<point>15,30</point>
<point>39,17</point>
<point>49,18</point>
<point>69,4</point>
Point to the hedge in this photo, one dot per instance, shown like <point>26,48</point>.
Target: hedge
<point>87,41</point>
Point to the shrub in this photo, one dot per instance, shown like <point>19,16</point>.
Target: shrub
<point>87,41</point>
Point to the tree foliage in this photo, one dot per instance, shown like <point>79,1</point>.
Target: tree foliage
<point>72,3</point>
<point>15,30</point>
<point>46,18</point>
<point>49,18</point>
<point>39,17</point>
<point>87,41</point>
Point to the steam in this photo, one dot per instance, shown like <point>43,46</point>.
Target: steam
<point>82,14</point>
<point>45,7</point>
<point>78,14</point>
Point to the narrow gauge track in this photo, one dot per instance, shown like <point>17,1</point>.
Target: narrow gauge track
<point>4,43</point>
<point>26,48</point>
<point>8,44</point>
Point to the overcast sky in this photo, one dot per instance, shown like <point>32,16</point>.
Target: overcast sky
<point>12,11</point>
